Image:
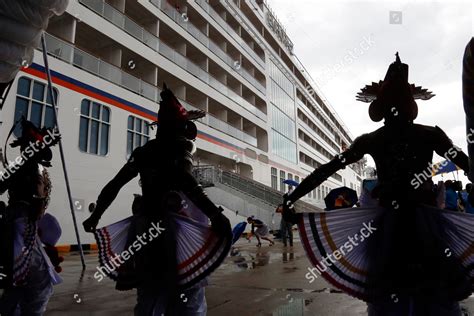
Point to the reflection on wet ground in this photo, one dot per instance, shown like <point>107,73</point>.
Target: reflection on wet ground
<point>271,281</point>
<point>252,281</point>
<point>246,259</point>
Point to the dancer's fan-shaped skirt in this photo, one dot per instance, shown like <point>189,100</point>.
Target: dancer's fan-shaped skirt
<point>199,249</point>
<point>338,244</point>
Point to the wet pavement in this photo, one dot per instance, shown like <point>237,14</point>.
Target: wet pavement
<point>253,281</point>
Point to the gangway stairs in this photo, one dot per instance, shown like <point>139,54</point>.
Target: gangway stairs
<point>245,196</point>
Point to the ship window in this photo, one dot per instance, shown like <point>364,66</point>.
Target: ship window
<point>283,147</point>
<point>338,177</point>
<point>282,178</point>
<point>274,178</point>
<point>138,133</point>
<point>33,102</point>
<point>94,128</point>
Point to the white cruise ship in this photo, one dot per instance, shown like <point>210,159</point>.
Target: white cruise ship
<point>266,120</point>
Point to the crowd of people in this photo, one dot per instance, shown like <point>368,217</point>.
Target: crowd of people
<point>455,198</point>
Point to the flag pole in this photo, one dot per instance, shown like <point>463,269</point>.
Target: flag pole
<point>61,151</point>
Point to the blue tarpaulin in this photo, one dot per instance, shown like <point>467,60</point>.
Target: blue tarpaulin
<point>444,167</point>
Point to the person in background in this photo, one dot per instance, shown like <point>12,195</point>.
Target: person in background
<point>441,195</point>
<point>368,193</point>
<point>341,202</point>
<point>260,230</point>
<point>465,194</point>
<point>451,201</point>
<point>286,230</point>
<point>458,190</point>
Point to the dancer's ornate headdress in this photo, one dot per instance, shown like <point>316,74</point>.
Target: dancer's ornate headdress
<point>394,89</point>
<point>30,134</point>
<point>173,116</point>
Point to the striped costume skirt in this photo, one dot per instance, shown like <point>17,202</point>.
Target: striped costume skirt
<point>199,250</point>
<point>376,253</point>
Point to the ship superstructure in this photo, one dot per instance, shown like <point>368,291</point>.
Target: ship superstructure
<point>267,121</point>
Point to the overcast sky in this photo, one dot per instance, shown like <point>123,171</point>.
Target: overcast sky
<point>347,44</point>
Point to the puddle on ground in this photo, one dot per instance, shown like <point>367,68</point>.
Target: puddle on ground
<point>295,307</point>
<point>244,260</point>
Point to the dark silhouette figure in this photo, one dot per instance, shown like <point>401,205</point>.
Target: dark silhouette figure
<point>29,274</point>
<point>410,259</point>
<point>165,168</point>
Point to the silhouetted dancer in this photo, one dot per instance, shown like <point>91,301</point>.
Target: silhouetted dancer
<point>29,273</point>
<point>168,266</point>
<point>404,256</point>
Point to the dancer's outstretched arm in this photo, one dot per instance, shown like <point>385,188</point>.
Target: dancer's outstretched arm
<point>446,148</point>
<point>111,190</point>
<point>355,152</point>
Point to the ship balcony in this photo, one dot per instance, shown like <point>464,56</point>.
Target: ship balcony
<point>103,69</point>
<point>310,128</point>
<point>150,40</point>
<point>208,42</point>
<point>317,117</point>
<point>260,59</point>
<point>212,121</point>
<point>85,61</point>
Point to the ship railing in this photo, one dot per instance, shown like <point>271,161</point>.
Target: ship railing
<point>92,64</point>
<point>204,76</point>
<point>212,176</point>
<point>104,70</point>
<point>125,23</point>
<point>173,14</point>
<point>320,123</point>
<point>222,126</point>
<point>219,20</point>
